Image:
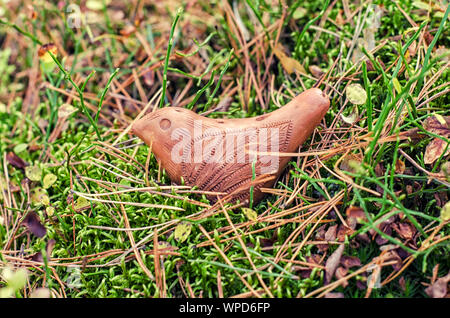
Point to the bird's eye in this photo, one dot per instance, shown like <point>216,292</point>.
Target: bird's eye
<point>165,124</point>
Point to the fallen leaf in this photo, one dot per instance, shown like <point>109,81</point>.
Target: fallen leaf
<point>289,64</point>
<point>299,13</point>
<point>39,196</point>
<point>15,160</point>
<point>397,85</point>
<point>66,110</point>
<point>399,166</point>
<point>182,231</point>
<point>350,261</point>
<point>81,204</point>
<point>343,231</point>
<point>352,117</point>
<point>434,151</point>
<point>341,272</point>
<point>34,173</point>
<point>352,163</point>
<point>333,262</point>
<point>357,213</point>
<point>44,50</point>
<point>356,94</point>
<point>405,230</point>
<point>339,18</point>
<point>95,5</point>
<point>445,212</point>
<point>316,71</point>
<point>250,214</point>
<point>47,62</point>
<point>20,147</point>
<point>128,30</point>
<point>49,180</point>
<point>50,211</point>
<point>439,288</point>
<point>33,222</point>
<point>330,234</point>
<point>438,125</point>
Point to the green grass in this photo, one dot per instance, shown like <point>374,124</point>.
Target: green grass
<point>200,48</point>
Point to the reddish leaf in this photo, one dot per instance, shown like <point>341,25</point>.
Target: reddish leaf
<point>340,273</point>
<point>15,160</point>
<point>350,261</point>
<point>333,262</point>
<point>330,234</point>
<point>355,215</point>
<point>265,242</point>
<point>316,71</point>
<point>405,230</point>
<point>33,222</point>
<point>399,166</point>
<point>343,231</point>
<point>438,125</point>
<point>304,272</point>
<point>439,288</point>
<point>434,151</point>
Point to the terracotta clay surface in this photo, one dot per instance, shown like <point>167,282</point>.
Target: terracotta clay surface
<point>225,155</point>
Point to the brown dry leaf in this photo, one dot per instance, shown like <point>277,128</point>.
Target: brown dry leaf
<point>439,288</point>
<point>399,166</point>
<point>434,151</point>
<point>357,213</point>
<point>330,234</point>
<point>289,64</point>
<point>438,125</point>
<point>343,231</point>
<point>351,163</point>
<point>316,71</point>
<point>350,261</point>
<point>333,262</point>
<point>341,272</point>
<point>405,230</point>
<point>33,222</point>
<point>15,160</point>
<point>339,18</point>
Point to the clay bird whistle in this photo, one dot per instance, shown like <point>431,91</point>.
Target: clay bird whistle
<point>228,155</point>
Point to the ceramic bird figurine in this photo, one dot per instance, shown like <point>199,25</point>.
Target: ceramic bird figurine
<point>226,155</point>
